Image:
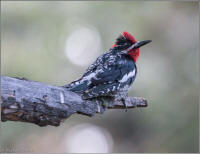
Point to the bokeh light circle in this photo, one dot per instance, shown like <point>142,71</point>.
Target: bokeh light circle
<point>88,138</point>
<point>83,46</point>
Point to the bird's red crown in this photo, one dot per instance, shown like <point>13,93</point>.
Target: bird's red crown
<point>130,37</point>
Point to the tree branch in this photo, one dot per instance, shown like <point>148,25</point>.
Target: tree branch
<point>43,104</point>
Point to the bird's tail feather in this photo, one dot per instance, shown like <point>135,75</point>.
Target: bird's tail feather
<point>77,86</point>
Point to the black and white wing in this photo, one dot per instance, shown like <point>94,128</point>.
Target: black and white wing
<point>117,73</point>
<point>82,84</point>
<point>106,76</point>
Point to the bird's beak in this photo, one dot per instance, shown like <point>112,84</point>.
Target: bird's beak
<point>141,43</point>
<point>136,46</point>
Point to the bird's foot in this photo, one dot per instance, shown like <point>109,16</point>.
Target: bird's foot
<point>124,102</point>
<point>105,104</point>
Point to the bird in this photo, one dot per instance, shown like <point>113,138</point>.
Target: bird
<point>113,73</point>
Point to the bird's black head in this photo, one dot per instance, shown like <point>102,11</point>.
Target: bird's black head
<point>124,41</point>
<point>128,44</point>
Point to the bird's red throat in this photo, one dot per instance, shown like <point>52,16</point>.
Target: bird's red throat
<point>134,54</point>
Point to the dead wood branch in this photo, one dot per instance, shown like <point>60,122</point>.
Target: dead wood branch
<point>43,104</point>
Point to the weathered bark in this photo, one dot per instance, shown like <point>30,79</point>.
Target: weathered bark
<point>43,104</point>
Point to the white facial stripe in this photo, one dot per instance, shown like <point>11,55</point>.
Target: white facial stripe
<point>127,76</point>
<point>131,47</point>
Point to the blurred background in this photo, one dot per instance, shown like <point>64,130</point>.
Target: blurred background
<point>54,43</point>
